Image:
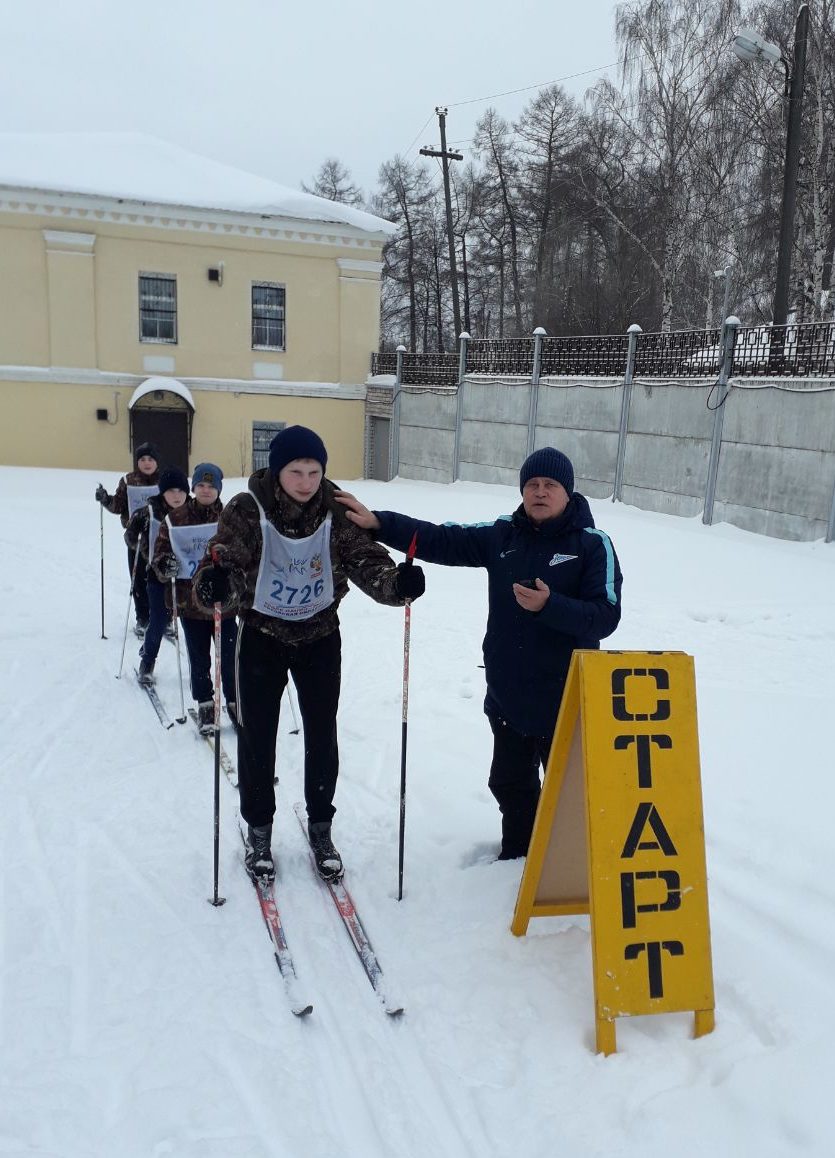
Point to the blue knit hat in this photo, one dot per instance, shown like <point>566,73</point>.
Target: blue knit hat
<point>207,472</point>
<point>548,463</point>
<point>173,479</point>
<point>296,442</point>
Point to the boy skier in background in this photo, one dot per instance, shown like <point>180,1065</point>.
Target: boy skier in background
<point>143,528</point>
<point>133,491</point>
<point>180,546</point>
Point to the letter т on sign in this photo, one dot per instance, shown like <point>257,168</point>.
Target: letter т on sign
<point>619,834</point>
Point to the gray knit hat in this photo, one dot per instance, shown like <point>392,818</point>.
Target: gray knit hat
<point>548,463</point>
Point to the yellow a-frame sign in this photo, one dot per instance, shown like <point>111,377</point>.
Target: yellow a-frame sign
<point>619,834</point>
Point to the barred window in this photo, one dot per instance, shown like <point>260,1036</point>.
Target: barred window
<point>262,435</point>
<point>268,329</point>
<point>157,307</point>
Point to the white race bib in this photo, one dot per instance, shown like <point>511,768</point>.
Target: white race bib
<point>138,496</point>
<point>189,545</point>
<point>295,577</point>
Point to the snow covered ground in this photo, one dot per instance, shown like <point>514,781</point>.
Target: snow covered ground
<point>136,1020</point>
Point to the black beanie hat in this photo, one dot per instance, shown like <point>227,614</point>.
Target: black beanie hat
<point>296,442</point>
<point>548,463</point>
<point>172,479</point>
<point>143,449</point>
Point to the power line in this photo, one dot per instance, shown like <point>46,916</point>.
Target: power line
<point>529,87</point>
<point>418,134</point>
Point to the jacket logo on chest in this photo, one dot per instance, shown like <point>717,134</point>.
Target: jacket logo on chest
<point>558,558</point>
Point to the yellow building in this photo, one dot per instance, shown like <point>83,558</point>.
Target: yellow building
<point>148,293</point>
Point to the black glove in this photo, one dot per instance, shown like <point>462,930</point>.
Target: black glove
<point>168,567</point>
<point>212,584</point>
<point>411,581</point>
<point>101,495</point>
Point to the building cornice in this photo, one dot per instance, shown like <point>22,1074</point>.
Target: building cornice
<point>72,376</point>
<point>78,207</point>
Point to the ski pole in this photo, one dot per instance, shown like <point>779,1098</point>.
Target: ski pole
<point>407,627</point>
<point>215,899</point>
<point>127,613</point>
<point>181,719</point>
<point>101,540</point>
<point>294,731</point>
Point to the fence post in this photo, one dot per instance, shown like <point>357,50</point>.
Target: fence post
<point>394,439</point>
<point>459,404</point>
<point>830,529</point>
<point>538,335</point>
<point>729,329</point>
<point>625,404</point>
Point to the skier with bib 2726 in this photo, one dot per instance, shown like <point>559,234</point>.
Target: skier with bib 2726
<point>283,554</point>
<point>553,586</point>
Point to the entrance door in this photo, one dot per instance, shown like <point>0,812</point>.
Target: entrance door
<point>167,429</point>
<point>379,464</point>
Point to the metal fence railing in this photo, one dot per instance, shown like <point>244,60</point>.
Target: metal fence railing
<point>806,350</point>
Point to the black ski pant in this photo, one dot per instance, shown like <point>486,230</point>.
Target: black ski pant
<point>514,782</point>
<point>199,634</point>
<point>140,593</point>
<point>263,666</point>
<point>157,619</point>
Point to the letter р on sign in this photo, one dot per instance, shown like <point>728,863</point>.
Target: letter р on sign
<point>619,834</point>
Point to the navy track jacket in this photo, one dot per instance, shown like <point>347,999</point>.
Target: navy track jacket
<point>526,655</point>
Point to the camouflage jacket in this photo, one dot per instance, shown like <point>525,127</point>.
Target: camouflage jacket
<point>354,555</point>
<point>190,514</point>
<point>137,527</point>
<point>117,504</point>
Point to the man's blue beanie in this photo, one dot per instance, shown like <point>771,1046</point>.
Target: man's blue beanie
<point>207,472</point>
<point>296,442</point>
<point>548,463</point>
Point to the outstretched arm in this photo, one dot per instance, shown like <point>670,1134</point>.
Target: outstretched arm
<point>452,545</point>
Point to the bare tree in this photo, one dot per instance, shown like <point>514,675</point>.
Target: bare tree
<point>334,182</point>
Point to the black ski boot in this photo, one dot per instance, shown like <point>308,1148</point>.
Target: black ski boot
<point>328,860</point>
<point>258,857</point>
<point>146,671</point>
<point>206,717</point>
<point>140,627</point>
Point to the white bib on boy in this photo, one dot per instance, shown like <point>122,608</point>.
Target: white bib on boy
<point>138,496</point>
<point>189,545</point>
<point>295,576</point>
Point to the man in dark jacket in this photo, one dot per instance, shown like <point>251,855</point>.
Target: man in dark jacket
<point>553,585</point>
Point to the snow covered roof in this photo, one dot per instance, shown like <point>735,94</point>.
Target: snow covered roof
<point>137,167</point>
<point>152,384</point>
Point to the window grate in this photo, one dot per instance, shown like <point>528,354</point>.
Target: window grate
<point>262,435</point>
<point>268,316</point>
<point>157,308</point>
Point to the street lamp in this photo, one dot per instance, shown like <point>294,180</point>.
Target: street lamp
<point>749,45</point>
<point>726,274</point>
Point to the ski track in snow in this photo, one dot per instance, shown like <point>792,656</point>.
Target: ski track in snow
<point>138,1020</point>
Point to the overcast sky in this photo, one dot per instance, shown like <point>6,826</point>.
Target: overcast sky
<point>276,87</point>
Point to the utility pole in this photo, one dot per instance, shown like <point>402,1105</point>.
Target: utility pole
<point>796,75</point>
<point>446,156</point>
